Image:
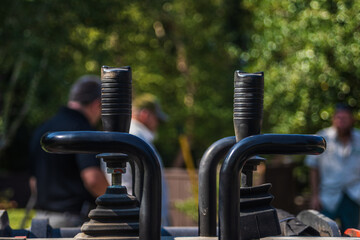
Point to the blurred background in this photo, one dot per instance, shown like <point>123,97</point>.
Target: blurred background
<point>185,52</point>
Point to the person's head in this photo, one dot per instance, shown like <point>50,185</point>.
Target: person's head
<point>147,110</point>
<point>343,119</point>
<point>85,96</point>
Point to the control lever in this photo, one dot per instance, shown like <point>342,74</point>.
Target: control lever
<point>248,103</point>
<point>117,213</point>
<point>116,99</point>
<point>248,110</point>
<point>248,107</point>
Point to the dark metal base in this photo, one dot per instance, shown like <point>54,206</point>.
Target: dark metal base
<point>116,214</point>
<point>257,218</point>
<point>82,236</point>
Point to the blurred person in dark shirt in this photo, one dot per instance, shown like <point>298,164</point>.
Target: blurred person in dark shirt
<point>67,184</point>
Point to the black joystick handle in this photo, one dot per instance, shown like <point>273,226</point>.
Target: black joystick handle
<point>116,98</point>
<point>248,103</point>
<point>248,108</point>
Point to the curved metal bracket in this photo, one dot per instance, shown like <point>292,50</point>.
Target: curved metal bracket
<point>229,189</point>
<point>207,185</point>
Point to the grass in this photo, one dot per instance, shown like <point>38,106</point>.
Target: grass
<point>16,216</point>
<point>189,207</point>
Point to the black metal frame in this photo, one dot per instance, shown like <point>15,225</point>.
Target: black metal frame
<point>229,188</point>
<point>207,185</point>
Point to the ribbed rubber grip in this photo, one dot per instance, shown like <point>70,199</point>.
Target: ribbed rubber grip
<point>116,92</point>
<point>248,103</point>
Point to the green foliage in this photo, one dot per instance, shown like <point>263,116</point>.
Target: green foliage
<point>189,207</point>
<point>309,51</point>
<point>16,216</point>
<point>54,42</point>
<point>186,53</point>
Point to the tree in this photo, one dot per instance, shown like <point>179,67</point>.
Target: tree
<point>186,53</point>
<point>309,52</point>
<point>54,42</point>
